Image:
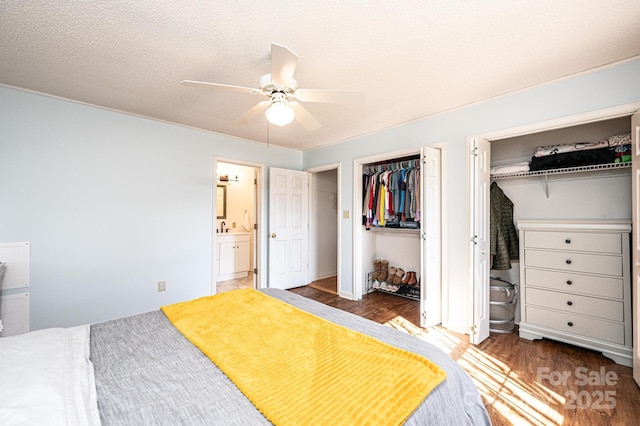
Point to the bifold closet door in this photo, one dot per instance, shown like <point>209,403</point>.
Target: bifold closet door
<point>431,238</point>
<point>635,270</point>
<point>480,155</point>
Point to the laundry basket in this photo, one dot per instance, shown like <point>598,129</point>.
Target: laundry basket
<point>503,299</point>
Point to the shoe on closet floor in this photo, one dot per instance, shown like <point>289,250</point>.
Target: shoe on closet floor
<point>391,275</point>
<point>384,270</point>
<point>398,277</point>
<point>377,266</point>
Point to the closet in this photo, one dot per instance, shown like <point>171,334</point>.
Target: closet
<point>563,199</point>
<point>391,203</point>
<point>399,208</point>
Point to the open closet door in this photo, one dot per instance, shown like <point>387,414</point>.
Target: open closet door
<point>288,228</point>
<point>431,247</point>
<point>635,196</point>
<point>480,239</point>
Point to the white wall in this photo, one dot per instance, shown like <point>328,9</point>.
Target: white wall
<point>111,204</point>
<point>323,235</point>
<point>604,88</point>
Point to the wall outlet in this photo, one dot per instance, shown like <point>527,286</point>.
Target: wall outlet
<point>162,286</point>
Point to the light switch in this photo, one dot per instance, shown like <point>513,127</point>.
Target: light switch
<point>345,214</point>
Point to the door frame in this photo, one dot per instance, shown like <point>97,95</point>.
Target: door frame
<point>567,121</point>
<point>259,250</point>
<point>337,168</point>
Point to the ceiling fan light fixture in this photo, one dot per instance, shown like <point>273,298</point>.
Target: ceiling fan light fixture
<point>280,114</point>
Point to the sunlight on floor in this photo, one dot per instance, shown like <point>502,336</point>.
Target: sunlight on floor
<point>516,400</point>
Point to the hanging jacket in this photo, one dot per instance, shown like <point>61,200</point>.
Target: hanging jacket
<point>504,237</point>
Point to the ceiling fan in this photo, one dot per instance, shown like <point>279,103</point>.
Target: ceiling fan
<point>283,93</point>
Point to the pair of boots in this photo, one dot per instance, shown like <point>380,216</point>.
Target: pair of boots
<point>410,278</point>
<point>391,275</point>
<point>382,270</point>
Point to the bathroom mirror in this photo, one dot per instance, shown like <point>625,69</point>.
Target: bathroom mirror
<point>221,202</point>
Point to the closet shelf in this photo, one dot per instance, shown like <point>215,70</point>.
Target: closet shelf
<point>394,230</point>
<point>553,172</point>
<point>562,171</point>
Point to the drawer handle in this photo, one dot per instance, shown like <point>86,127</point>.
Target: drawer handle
<point>570,324</point>
<point>569,282</point>
<point>568,261</point>
<point>568,241</point>
<point>569,303</point>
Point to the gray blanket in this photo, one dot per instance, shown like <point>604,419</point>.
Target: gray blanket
<point>147,373</point>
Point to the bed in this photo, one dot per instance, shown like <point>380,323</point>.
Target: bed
<point>146,372</point>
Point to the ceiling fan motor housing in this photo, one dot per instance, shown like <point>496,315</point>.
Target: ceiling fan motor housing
<point>269,87</point>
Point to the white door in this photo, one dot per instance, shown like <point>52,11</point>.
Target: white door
<point>635,195</point>
<point>431,250</point>
<point>479,214</point>
<point>288,228</point>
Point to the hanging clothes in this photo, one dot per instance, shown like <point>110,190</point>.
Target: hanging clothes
<point>391,195</point>
<point>504,246</point>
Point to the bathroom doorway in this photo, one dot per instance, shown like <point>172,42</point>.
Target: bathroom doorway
<point>235,240</point>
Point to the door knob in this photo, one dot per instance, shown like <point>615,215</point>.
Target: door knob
<point>273,235</point>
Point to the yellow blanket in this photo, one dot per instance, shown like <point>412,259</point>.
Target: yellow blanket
<point>299,369</point>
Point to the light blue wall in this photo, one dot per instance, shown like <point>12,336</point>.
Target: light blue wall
<point>593,91</point>
<point>111,204</point>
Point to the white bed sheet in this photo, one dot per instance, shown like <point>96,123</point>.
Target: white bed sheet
<point>46,377</point>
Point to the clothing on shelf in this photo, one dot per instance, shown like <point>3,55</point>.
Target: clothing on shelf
<point>391,195</point>
<point>510,168</point>
<point>573,159</point>
<point>561,149</point>
<point>616,140</point>
<point>504,245</point>
<point>614,149</point>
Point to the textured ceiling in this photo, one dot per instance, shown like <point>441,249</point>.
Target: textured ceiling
<point>411,59</point>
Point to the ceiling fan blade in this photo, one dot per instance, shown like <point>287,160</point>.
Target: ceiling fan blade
<point>283,65</point>
<point>247,116</point>
<point>220,86</point>
<point>304,117</point>
<point>330,96</point>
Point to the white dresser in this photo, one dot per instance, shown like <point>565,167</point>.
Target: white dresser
<point>575,284</point>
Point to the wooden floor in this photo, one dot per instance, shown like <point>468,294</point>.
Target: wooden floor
<point>521,381</point>
<point>329,285</point>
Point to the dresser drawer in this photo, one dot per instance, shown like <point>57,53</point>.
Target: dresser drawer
<point>574,241</point>
<point>577,262</point>
<point>573,303</point>
<point>576,324</point>
<point>575,283</point>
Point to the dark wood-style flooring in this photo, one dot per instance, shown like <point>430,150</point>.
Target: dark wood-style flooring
<point>521,382</point>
